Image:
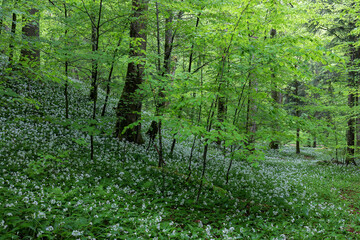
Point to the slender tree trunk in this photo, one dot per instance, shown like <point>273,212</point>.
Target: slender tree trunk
<point>1,18</point>
<point>275,144</point>
<point>336,143</point>
<point>12,37</point>
<point>158,37</point>
<point>314,142</point>
<point>206,147</point>
<point>128,110</point>
<point>350,134</point>
<point>276,96</point>
<point>192,46</point>
<point>165,70</point>
<point>194,141</point>
<point>236,116</point>
<point>221,109</point>
<point>297,113</point>
<point>161,159</point>
<point>357,136</point>
<point>251,126</point>
<point>66,66</point>
<point>297,140</point>
<point>66,90</point>
<point>109,78</point>
<point>189,71</point>
<point>95,37</point>
<point>357,120</point>
<point>221,106</point>
<point>203,171</point>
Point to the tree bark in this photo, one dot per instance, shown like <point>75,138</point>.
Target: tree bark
<point>166,70</point>
<point>128,110</point>
<point>314,142</point>
<point>12,37</point>
<point>1,19</point>
<point>189,70</point>
<point>109,78</point>
<point>350,133</point>
<point>251,126</point>
<point>357,121</point>
<point>221,104</point>
<point>297,113</point>
<point>31,34</point>
<point>297,140</point>
<point>357,136</point>
<point>66,94</point>
<point>275,95</point>
<point>95,37</point>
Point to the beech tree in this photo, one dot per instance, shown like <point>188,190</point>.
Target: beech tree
<point>128,110</point>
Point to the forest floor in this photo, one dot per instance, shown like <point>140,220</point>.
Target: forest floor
<point>50,189</point>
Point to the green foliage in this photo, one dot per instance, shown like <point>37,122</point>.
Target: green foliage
<point>38,167</point>
<point>49,189</point>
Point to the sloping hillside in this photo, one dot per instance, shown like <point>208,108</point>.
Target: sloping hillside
<point>50,189</point>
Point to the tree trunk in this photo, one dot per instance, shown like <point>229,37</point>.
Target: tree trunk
<point>357,122</point>
<point>166,70</point>
<point>357,136</point>
<point>31,34</point>
<point>251,126</point>
<point>297,113</point>
<point>95,37</point>
<point>314,142</point>
<point>66,94</point>
<point>298,141</point>
<point>350,133</point>
<point>1,18</point>
<point>189,70</point>
<point>12,38</point>
<point>275,144</point>
<point>275,95</point>
<point>221,105</point>
<point>128,110</point>
<point>109,78</point>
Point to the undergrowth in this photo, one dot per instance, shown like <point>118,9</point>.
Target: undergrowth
<point>50,189</point>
